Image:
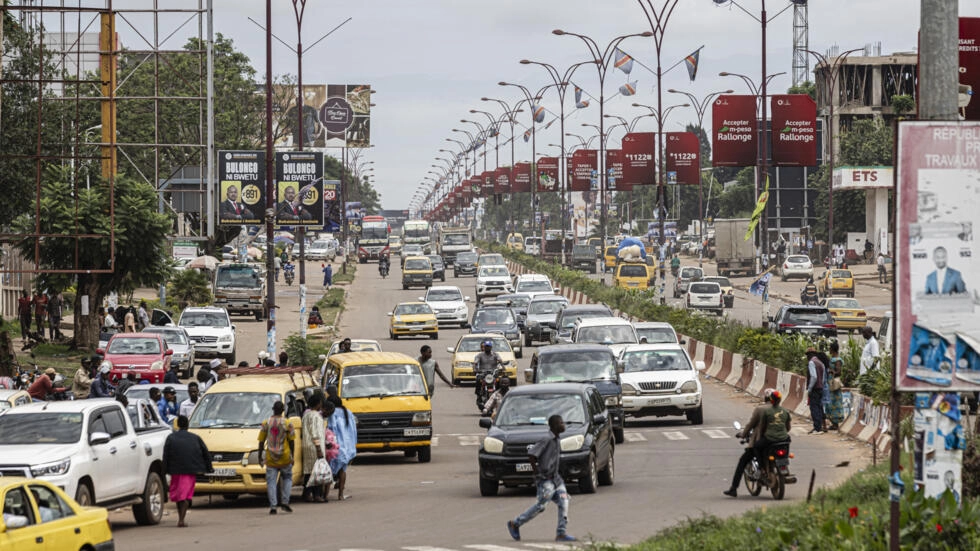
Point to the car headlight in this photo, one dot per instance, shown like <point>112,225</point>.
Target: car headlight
<point>629,389</point>
<point>493,445</point>
<point>396,319</point>
<point>467,365</point>
<point>51,469</point>
<point>225,338</point>
<point>689,386</point>
<point>422,418</point>
<point>572,443</point>
<point>460,309</point>
<point>614,400</point>
<point>251,459</point>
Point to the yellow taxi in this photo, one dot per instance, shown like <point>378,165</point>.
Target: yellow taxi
<point>39,515</point>
<point>13,398</point>
<point>413,318</point>
<point>634,275</point>
<point>416,272</point>
<point>515,242</point>
<point>229,416</point>
<point>609,257</point>
<point>847,313</point>
<point>388,395</point>
<point>836,282</point>
<point>468,346</point>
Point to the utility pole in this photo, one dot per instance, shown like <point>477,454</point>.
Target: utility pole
<point>270,190</point>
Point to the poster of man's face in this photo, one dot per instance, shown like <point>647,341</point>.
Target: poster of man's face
<point>232,208</point>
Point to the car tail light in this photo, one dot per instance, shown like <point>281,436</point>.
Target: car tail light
<point>785,325</point>
<point>688,300</point>
<point>785,266</point>
<point>829,325</point>
<point>721,299</point>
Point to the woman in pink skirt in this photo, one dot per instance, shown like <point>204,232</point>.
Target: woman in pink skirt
<point>184,457</point>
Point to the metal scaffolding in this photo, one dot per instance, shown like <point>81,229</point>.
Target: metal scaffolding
<point>801,43</point>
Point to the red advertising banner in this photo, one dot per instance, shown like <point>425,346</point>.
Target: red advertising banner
<point>458,191</point>
<point>734,131</point>
<point>473,186</point>
<point>501,180</point>
<point>794,130</point>
<point>683,158</point>
<point>584,164</point>
<point>970,65</point>
<point>522,178</point>
<point>639,158</point>
<point>614,171</point>
<point>486,183</point>
<point>548,174</point>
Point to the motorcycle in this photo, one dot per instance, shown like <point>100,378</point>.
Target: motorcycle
<point>773,473</point>
<point>383,269</point>
<point>487,383</point>
<point>674,270</point>
<point>809,295</point>
<point>60,392</point>
<point>289,274</point>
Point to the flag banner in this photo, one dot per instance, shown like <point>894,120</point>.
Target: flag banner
<point>760,286</point>
<point>241,177</point>
<point>794,130</point>
<point>614,171</point>
<point>684,157</point>
<point>583,166</point>
<point>551,122</point>
<point>494,131</point>
<point>628,89</point>
<point>639,151</point>
<point>692,64</point>
<point>735,128</point>
<point>501,180</point>
<point>579,102</point>
<point>538,112</point>
<point>760,207</point>
<point>547,168</point>
<point>527,135</point>
<point>623,61</point>
<point>299,188</point>
<point>522,178</point>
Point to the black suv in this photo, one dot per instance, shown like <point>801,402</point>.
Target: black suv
<point>465,263</point>
<point>438,268</point>
<point>587,445</point>
<point>812,321</point>
<point>565,322</point>
<point>498,319</point>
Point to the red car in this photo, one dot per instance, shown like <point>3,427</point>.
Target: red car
<point>145,354</point>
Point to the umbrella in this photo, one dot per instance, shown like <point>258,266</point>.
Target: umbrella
<point>285,234</point>
<point>253,252</point>
<point>283,239</point>
<point>204,262</point>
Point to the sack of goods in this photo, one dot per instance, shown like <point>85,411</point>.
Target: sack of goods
<point>631,254</point>
<point>321,473</point>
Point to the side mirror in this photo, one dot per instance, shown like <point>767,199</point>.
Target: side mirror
<point>557,291</point>
<point>485,422</point>
<point>699,365</point>
<point>600,418</point>
<point>450,350</point>
<point>620,366</point>
<point>467,299</point>
<point>528,375</point>
<point>100,351</point>
<point>97,438</point>
<point>13,522</point>
<point>682,341</point>
<point>737,425</point>
<point>388,314</point>
<point>169,352</point>
<point>322,357</point>
<point>233,328</point>
<point>421,299</point>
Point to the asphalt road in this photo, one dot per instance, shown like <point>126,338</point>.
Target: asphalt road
<point>667,471</point>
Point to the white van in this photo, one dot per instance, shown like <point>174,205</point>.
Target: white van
<point>532,245</point>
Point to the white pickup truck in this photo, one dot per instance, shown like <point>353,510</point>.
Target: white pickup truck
<point>95,450</point>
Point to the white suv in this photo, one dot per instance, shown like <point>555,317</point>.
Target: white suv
<point>492,281</point>
<point>659,380</point>
<point>449,304</point>
<point>211,331</point>
<point>705,295</point>
<point>616,333</point>
<point>534,285</point>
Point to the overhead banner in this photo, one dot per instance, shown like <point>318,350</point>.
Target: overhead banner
<point>614,171</point>
<point>734,131</point>
<point>501,180</point>
<point>683,158</point>
<point>522,178</point>
<point>937,321</point>
<point>241,187</point>
<point>331,205</point>
<point>346,115</point>
<point>794,130</point>
<point>583,169</point>
<point>970,67</point>
<point>299,188</point>
<point>548,174</point>
<point>639,158</point>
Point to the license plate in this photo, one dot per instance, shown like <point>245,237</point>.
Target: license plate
<point>221,473</point>
<point>661,401</point>
<point>523,467</point>
<point>417,432</point>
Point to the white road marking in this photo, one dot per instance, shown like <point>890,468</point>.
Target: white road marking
<point>469,440</point>
<point>676,435</point>
<point>715,433</point>
<point>434,441</point>
<point>635,437</point>
<point>427,548</point>
<point>492,548</point>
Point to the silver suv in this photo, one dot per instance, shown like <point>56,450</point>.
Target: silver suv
<point>211,331</point>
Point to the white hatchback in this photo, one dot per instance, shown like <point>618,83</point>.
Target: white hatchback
<point>796,265</point>
<point>705,295</point>
<point>449,304</point>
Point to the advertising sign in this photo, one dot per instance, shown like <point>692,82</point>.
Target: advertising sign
<point>285,99</point>
<point>501,180</point>
<point>331,205</point>
<point>970,67</point>
<point>639,158</point>
<point>299,188</point>
<point>487,184</point>
<point>241,187</point>
<point>938,444</point>
<point>614,171</point>
<point>548,174</point>
<point>863,177</point>
<point>734,131</point>
<point>684,157</point>
<point>584,164</point>
<point>346,115</point>
<point>937,320</point>
<point>794,130</point>
<point>522,178</point>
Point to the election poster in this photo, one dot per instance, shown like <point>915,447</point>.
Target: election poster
<point>241,187</point>
<point>299,189</point>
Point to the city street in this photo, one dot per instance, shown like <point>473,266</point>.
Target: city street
<point>667,471</point>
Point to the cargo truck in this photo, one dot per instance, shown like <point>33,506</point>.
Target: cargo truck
<point>732,252</point>
<point>453,241</point>
<point>239,288</point>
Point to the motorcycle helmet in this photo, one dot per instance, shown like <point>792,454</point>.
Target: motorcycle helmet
<point>488,342</point>
<point>105,368</point>
<point>767,394</point>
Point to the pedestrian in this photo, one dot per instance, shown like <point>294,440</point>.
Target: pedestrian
<point>24,313</point>
<point>144,317</point>
<point>109,321</point>
<point>869,355</point>
<point>327,275</point>
<point>882,272</point>
<point>544,456</point>
<point>283,359</point>
<point>187,406</point>
<point>814,389</point>
<point>54,315</point>
<point>184,457</point>
<point>276,443</point>
<point>207,375</point>
<point>835,409</point>
<point>313,433</point>
<point>262,357</point>
<point>430,368</point>
<point>40,303</point>
<point>129,320</point>
<point>278,265</point>
<point>171,377</point>
<point>167,405</point>
<point>81,383</point>
<point>344,427</point>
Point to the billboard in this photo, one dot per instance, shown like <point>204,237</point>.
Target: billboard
<point>473,186</point>
<point>863,177</point>
<point>794,130</point>
<point>548,174</point>
<point>501,180</point>
<point>346,115</point>
<point>970,66</point>
<point>331,205</point>
<point>285,99</point>
<point>639,158</point>
<point>299,188</point>
<point>487,183</point>
<point>734,131</point>
<point>241,187</point>
<point>583,167</point>
<point>614,171</point>
<point>683,153</point>
<point>522,178</point>
<point>937,321</point>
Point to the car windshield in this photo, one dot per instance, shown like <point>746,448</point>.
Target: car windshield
<point>374,230</point>
<point>500,344</point>
<point>545,307</point>
<point>606,334</point>
<point>418,264</point>
<point>320,245</point>
<point>233,410</point>
<point>40,428</point>
<point>534,409</point>
<point>705,288</point>
<point>842,303</point>
<point>582,249</point>
<point>535,287</point>
<point>361,381</point>
<point>655,335</point>
<point>132,345</point>
<point>491,260</point>
<point>203,319</point>
<point>443,295</point>
<point>412,309</point>
<point>691,273</point>
<point>610,251</point>
<point>412,249</point>
<point>494,317</point>
<point>840,274</point>
<point>456,239</point>
<point>466,257</point>
<point>808,317</point>
<point>576,367</point>
<point>655,360</point>
<point>142,392</point>
<point>797,259</point>
<point>172,337</point>
<point>722,281</point>
<point>245,277</point>
<point>632,270</point>
<point>568,319</point>
<point>494,271</point>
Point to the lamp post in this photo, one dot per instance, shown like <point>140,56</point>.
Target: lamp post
<point>508,109</point>
<point>601,58</point>
<point>660,115</point>
<point>482,132</point>
<point>494,124</point>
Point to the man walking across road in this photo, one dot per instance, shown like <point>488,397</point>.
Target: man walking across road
<point>24,313</point>
<point>544,457</point>
<point>40,303</point>
<point>327,275</point>
<point>276,442</point>
<point>430,367</point>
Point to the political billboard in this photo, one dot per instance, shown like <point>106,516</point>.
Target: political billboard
<point>970,68</point>
<point>683,153</point>
<point>794,130</point>
<point>639,158</point>
<point>299,188</point>
<point>734,131</point>
<point>614,171</point>
<point>241,187</point>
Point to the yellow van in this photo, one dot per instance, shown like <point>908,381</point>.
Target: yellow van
<point>228,418</point>
<point>387,393</point>
<point>417,272</point>
<point>609,257</point>
<point>634,275</point>
<point>515,242</point>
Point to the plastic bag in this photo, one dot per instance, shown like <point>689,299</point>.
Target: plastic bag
<point>321,473</point>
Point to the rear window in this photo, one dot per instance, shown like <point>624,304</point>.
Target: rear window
<point>632,271</point>
<point>797,259</point>
<point>840,274</point>
<point>705,288</point>
<point>568,319</point>
<point>808,317</point>
<point>691,273</point>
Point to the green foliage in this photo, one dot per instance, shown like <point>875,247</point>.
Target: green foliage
<point>971,468</point>
<point>738,200</point>
<point>304,352</point>
<point>903,104</point>
<point>334,298</point>
<point>190,288</point>
<point>868,142</point>
<point>358,190</point>
<point>807,88</point>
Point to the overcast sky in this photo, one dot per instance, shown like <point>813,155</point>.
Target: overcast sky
<point>432,60</point>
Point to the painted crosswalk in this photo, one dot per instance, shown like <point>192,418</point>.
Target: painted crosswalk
<point>632,436</point>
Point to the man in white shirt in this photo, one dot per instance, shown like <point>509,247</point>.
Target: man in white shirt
<point>869,356</point>
<point>187,406</point>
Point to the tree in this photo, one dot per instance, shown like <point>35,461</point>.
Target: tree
<point>190,288</point>
<point>140,239</point>
<point>807,88</point>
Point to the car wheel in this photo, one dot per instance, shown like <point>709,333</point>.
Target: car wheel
<point>590,482</point>
<point>258,315</point>
<point>607,476</point>
<point>425,454</point>
<point>394,337</point>
<point>83,495</point>
<point>455,274</point>
<point>519,353</point>
<point>150,511</point>
<point>231,359</point>
<point>488,487</point>
<point>434,336</point>
<point>230,497</point>
<point>696,417</point>
<point>404,287</point>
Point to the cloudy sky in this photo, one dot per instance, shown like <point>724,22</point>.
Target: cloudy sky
<point>432,60</point>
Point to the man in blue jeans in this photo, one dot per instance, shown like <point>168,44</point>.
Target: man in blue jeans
<point>544,456</point>
<point>276,443</point>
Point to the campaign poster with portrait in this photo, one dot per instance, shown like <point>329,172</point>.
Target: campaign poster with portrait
<point>299,189</point>
<point>241,187</point>
<point>937,287</point>
<point>939,441</point>
<point>331,206</point>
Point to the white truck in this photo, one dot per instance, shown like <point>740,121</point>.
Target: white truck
<point>732,252</point>
<point>239,288</point>
<point>96,450</point>
<point>453,241</point>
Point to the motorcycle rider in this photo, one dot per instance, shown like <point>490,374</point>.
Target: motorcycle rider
<point>485,362</point>
<point>490,408</point>
<point>101,387</point>
<point>675,265</point>
<point>384,265</point>
<point>750,431</point>
<point>288,269</point>
<point>809,292</point>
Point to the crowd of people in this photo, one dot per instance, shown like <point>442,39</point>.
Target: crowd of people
<point>41,309</point>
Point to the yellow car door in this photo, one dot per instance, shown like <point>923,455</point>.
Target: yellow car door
<point>59,524</point>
